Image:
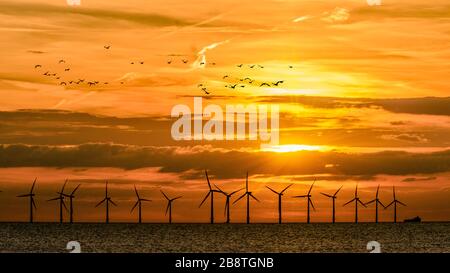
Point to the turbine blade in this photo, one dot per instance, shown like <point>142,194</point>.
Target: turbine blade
<point>220,190</point>
<point>64,204</point>
<point>165,195</point>
<point>349,202</point>
<point>24,195</point>
<point>300,196</point>
<point>135,190</point>
<point>135,205</point>
<point>32,202</point>
<point>145,200</point>
<point>246,182</point>
<point>204,199</point>
<point>361,203</point>
<point>242,196</point>
<point>64,185</point>
<point>176,198</point>
<point>251,195</point>
<point>32,187</point>
<point>338,190</point>
<point>370,202</point>
<point>227,204</point>
<point>401,203</point>
<point>327,195</point>
<point>379,202</point>
<point>99,203</point>
<point>112,202</point>
<point>378,189</point>
<point>389,205</point>
<point>286,188</point>
<point>235,191</point>
<point>74,190</point>
<point>207,179</point>
<point>272,190</point>
<point>310,189</point>
<point>167,208</point>
<point>312,205</point>
<point>53,199</point>
<point>393,191</point>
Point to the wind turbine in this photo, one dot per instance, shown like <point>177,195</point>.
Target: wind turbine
<point>377,201</point>
<point>107,199</point>
<point>71,196</point>
<point>139,204</point>
<point>333,197</point>
<point>308,219</point>
<point>32,204</point>
<point>210,193</point>
<point>227,202</point>
<point>356,200</point>
<point>248,194</point>
<point>61,202</point>
<point>280,194</point>
<point>395,204</point>
<point>169,205</point>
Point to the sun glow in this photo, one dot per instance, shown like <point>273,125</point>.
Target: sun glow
<point>287,148</point>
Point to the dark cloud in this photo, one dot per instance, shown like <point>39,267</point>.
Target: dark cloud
<point>225,163</point>
<point>424,106</point>
<point>87,14</point>
<point>414,179</point>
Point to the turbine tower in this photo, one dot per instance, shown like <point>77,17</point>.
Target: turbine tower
<point>333,197</point>
<point>356,200</point>
<point>108,200</point>
<point>210,193</point>
<point>377,201</point>
<point>308,219</point>
<point>248,194</point>
<point>395,204</point>
<point>71,196</point>
<point>32,204</point>
<point>169,205</point>
<point>139,204</point>
<point>61,202</point>
<point>227,202</point>
<point>280,194</point>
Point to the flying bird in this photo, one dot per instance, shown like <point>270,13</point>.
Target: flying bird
<point>224,77</point>
<point>277,83</point>
<point>61,61</point>
<point>233,86</point>
<point>107,47</point>
<point>132,62</point>
<point>37,66</point>
<point>169,62</point>
<point>251,66</point>
<point>185,61</point>
<point>62,83</point>
<point>142,62</point>
<point>240,65</point>
<point>264,83</point>
<point>67,69</point>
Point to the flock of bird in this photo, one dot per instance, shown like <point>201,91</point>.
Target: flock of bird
<point>63,78</point>
<point>107,200</point>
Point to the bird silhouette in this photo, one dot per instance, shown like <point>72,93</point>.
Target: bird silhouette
<point>67,69</point>
<point>233,86</point>
<point>260,66</point>
<point>185,61</point>
<point>277,83</point>
<point>46,73</point>
<point>291,66</point>
<point>202,63</point>
<point>62,83</point>
<point>142,62</point>
<point>132,62</point>
<point>37,66</point>
<point>264,83</point>
<point>224,77</point>
<point>107,47</point>
<point>251,66</point>
<point>169,62</point>
<point>240,65</point>
<point>61,61</point>
<point>213,63</point>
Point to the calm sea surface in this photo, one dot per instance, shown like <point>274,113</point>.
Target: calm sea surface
<point>342,237</point>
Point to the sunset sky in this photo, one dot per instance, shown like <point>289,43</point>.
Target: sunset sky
<point>365,100</point>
